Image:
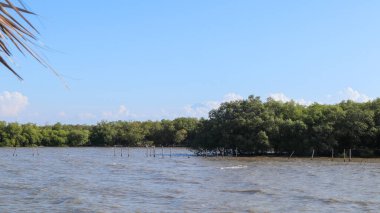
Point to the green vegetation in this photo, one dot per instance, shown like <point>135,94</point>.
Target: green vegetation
<point>178,132</point>
<point>252,127</point>
<point>255,127</point>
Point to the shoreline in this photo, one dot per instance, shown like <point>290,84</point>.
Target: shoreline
<point>299,159</point>
<point>239,158</point>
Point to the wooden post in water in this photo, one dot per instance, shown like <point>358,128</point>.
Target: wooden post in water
<point>291,155</point>
<point>350,156</point>
<point>344,155</point>
<point>35,151</point>
<point>154,151</point>
<point>312,155</point>
<point>236,152</point>
<point>170,151</point>
<point>128,151</point>
<point>332,154</point>
<point>162,151</point>
<point>121,151</point>
<point>114,151</point>
<point>14,152</point>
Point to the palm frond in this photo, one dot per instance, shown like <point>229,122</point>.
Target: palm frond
<point>19,31</point>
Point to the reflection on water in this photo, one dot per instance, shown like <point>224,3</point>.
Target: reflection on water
<point>94,180</point>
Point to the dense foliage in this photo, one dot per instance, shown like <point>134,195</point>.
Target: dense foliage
<point>249,126</point>
<point>253,127</point>
<point>178,132</point>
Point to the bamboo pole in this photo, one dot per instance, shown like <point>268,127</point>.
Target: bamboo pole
<point>291,155</point>
<point>350,156</point>
<point>312,155</point>
<point>344,155</point>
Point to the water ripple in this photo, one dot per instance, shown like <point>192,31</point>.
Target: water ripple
<point>93,180</point>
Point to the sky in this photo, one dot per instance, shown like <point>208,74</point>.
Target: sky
<point>162,59</point>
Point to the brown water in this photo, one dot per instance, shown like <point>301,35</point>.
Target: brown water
<point>94,180</point>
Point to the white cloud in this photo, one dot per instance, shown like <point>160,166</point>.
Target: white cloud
<point>354,95</point>
<point>280,97</point>
<point>283,98</point>
<point>232,97</point>
<point>12,103</point>
<point>202,109</point>
<point>121,113</point>
<point>347,94</point>
<point>304,102</point>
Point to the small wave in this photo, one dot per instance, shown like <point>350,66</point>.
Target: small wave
<point>67,200</point>
<point>234,167</point>
<point>339,201</point>
<point>167,197</point>
<point>247,191</point>
<point>192,182</point>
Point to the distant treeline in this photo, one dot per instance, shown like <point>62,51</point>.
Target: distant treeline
<point>178,132</point>
<point>253,127</point>
<point>249,126</point>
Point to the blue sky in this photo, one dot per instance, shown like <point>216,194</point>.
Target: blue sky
<point>139,60</point>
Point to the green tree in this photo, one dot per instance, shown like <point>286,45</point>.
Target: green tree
<point>31,134</point>
<point>180,136</point>
<point>13,135</point>
<point>102,134</point>
<point>78,137</point>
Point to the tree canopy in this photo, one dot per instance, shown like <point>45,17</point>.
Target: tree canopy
<point>250,126</point>
<point>178,132</point>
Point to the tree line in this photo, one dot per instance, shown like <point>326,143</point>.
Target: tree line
<point>178,132</point>
<point>249,126</point>
<point>252,126</point>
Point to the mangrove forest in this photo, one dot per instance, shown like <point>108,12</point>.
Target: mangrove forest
<point>248,127</point>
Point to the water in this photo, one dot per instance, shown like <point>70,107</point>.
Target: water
<point>94,180</point>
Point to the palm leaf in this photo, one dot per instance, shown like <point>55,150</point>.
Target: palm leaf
<point>19,31</point>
